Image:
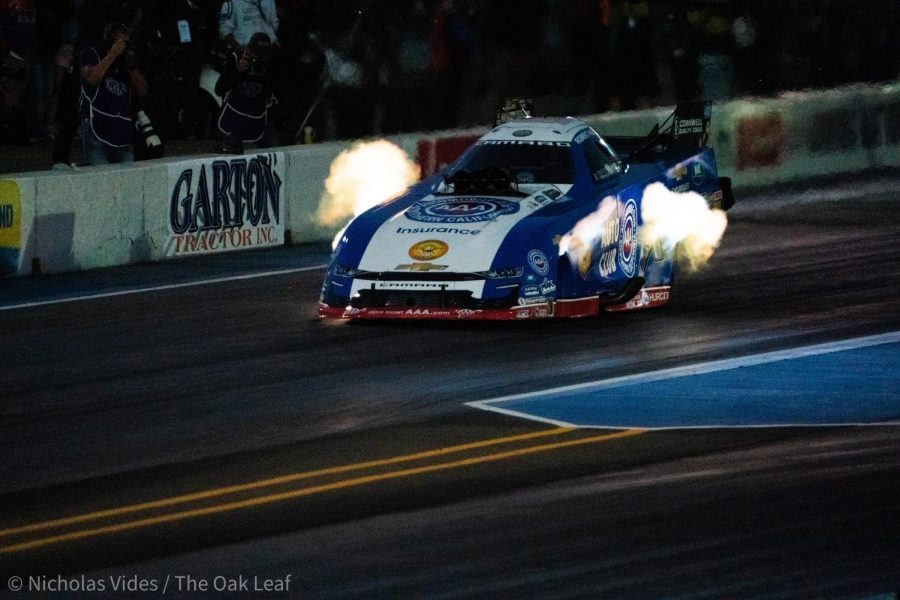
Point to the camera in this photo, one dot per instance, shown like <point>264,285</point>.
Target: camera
<point>257,65</point>
<point>259,48</point>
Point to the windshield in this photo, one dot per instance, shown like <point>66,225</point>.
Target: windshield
<point>525,162</point>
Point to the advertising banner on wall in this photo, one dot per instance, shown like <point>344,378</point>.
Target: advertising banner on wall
<point>10,227</point>
<point>225,203</point>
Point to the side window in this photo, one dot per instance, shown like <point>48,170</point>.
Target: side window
<point>601,163</point>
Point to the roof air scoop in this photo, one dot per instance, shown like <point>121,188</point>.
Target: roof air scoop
<point>514,108</point>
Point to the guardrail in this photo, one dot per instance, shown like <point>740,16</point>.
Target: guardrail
<point>105,216</point>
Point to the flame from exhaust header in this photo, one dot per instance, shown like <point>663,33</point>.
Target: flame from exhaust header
<point>364,176</point>
<point>578,241</point>
<point>671,221</point>
<point>684,220</point>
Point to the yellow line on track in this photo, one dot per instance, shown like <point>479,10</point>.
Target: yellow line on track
<point>262,500</point>
<point>253,485</point>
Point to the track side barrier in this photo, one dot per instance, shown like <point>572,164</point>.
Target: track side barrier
<point>105,216</point>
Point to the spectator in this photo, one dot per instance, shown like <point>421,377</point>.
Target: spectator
<point>110,77</point>
<point>246,88</point>
<point>714,29</point>
<point>17,26</point>
<point>67,88</point>
<point>588,36</point>
<point>451,50</point>
<point>302,57</point>
<point>239,20</point>
<point>682,54</point>
<point>632,57</point>
<point>51,16</point>
<point>175,56</point>
<point>13,121</point>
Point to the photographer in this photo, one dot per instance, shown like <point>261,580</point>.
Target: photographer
<point>246,88</point>
<point>109,78</point>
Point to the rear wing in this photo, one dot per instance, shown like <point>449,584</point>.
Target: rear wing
<point>686,129</point>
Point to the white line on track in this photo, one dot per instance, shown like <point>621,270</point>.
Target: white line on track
<point>687,370</point>
<point>160,288</point>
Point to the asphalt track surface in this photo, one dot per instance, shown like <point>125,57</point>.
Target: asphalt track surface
<point>194,418</point>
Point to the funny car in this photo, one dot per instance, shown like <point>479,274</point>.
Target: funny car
<point>491,236</point>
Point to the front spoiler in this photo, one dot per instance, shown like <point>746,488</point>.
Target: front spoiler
<point>542,311</point>
<point>563,309</point>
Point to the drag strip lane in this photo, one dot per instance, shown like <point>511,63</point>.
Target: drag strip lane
<point>174,376</point>
<point>80,534</point>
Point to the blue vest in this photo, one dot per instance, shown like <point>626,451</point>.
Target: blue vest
<point>108,106</point>
<point>245,108</point>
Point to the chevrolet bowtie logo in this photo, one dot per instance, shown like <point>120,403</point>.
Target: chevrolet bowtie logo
<point>425,267</point>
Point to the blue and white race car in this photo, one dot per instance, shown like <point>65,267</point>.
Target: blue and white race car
<point>492,236</point>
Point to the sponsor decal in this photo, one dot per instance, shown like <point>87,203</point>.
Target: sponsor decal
<point>532,301</point>
<point>531,290</point>
<point>523,143</point>
<point>552,193</point>
<point>608,263</point>
<point>540,200</point>
<point>547,286</point>
<point>678,172</point>
<point>460,210</point>
<point>538,261</point>
<point>428,250</point>
<point>10,227</point>
<point>116,88</point>
<point>698,176</point>
<point>427,312</point>
<point>218,205</point>
<point>628,240</point>
<point>421,267</point>
<point>585,134</point>
<point>682,188</point>
<point>686,126</point>
<point>443,230</point>
<point>646,298</point>
<point>467,312</point>
<point>541,311</point>
<point>610,233</point>
<point>609,169</point>
<point>658,296</point>
<point>525,177</point>
<point>519,133</point>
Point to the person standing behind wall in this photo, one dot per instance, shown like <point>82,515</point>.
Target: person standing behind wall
<point>240,19</point>
<point>246,88</point>
<point>109,77</point>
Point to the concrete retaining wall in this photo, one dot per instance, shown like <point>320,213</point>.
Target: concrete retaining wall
<point>106,216</point>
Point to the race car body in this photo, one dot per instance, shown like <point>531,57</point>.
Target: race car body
<point>483,239</point>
